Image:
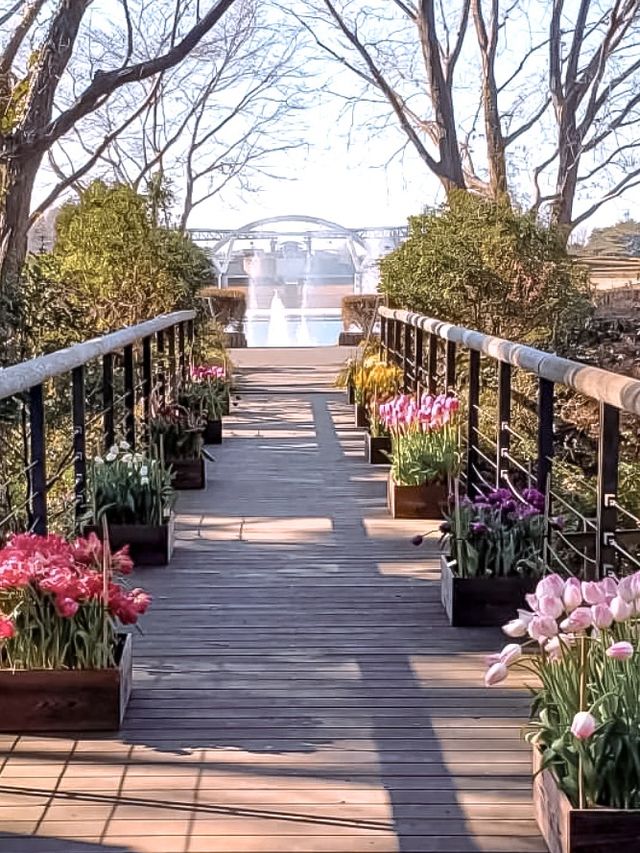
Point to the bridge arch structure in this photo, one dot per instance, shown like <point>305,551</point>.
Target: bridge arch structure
<point>364,245</point>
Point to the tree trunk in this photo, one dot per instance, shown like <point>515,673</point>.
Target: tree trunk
<point>17,178</point>
<point>566,178</point>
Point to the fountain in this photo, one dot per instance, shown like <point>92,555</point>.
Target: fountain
<point>278,331</point>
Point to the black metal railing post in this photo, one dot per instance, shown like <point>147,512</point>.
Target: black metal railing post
<point>161,376</point>
<point>182,356</point>
<point>79,440</point>
<point>173,379</point>
<point>504,421</point>
<point>450,369</point>
<point>38,467</point>
<point>545,434</point>
<point>472,423</point>
<point>418,360</point>
<point>191,337</point>
<point>384,344</point>
<point>129,396</point>
<point>432,381</point>
<point>147,383</point>
<point>108,416</point>
<point>407,346</point>
<point>607,515</point>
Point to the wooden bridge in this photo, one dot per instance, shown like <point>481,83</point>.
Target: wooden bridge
<point>296,687</point>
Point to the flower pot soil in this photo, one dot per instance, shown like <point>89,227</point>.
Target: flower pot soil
<point>566,829</point>
<point>480,602</point>
<point>423,501</point>
<point>361,416</point>
<point>377,449</point>
<point>212,433</point>
<point>188,473</point>
<point>67,700</point>
<point>149,544</point>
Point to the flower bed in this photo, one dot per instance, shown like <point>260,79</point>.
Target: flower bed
<point>585,718</point>
<point>134,494</point>
<point>424,453</point>
<point>64,665</point>
<point>494,555</point>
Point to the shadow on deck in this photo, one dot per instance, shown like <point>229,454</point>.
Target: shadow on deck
<point>297,687</point>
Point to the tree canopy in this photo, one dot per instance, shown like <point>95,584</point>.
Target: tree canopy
<point>479,263</point>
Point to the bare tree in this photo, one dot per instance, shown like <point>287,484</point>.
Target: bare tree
<point>29,122</point>
<point>217,121</point>
<point>595,89</point>
<point>557,114</point>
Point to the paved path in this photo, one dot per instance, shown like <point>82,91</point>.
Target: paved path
<point>296,687</point>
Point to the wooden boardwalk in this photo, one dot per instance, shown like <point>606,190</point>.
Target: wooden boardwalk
<point>296,686</point>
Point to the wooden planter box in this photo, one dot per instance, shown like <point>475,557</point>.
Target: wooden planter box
<point>377,449</point>
<point>235,340</point>
<point>350,339</point>
<point>415,501</point>
<point>188,473</point>
<point>212,433</point>
<point>149,544</point>
<point>480,602</point>
<point>67,700</point>
<point>361,416</point>
<point>569,830</point>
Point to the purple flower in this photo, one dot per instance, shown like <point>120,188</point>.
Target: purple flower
<point>499,496</point>
<point>558,522</point>
<point>479,528</point>
<point>535,498</point>
<point>417,540</point>
<point>445,527</point>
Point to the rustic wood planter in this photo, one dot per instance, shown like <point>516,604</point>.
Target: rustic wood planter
<point>361,416</point>
<point>149,544</point>
<point>377,449</point>
<point>480,602</point>
<point>67,700</point>
<point>188,473</point>
<point>235,340</point>
<point>415,501</point>
<point>212,433</point>
<point>566,829</point>
<point>350,339</point>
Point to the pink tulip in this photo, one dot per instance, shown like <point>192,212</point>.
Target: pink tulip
<point>515,628</point>
<point>541,628</point>
<point>601,615</point>
<point>556,644</point>
<point>532,600</point>
<point>572,594</point>
<point>626,589</point>
<point>592,592</point>
<point>620,609</point>
<point>510,653</point>
<point>550,605</point>
<point>620,651</point>
<point>579,620</point>
<point>495,674</point>
<point>583,725</point>
<point>7,628</point>
<point>610,587</point>
<point>550,585</point>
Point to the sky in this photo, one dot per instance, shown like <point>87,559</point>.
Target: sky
<point>338,176</point>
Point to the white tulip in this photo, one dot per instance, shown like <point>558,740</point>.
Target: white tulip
<point>113,450</point>
<point>124,445</point>
<point>98,460</point>
<point>127,457</point>
<point>144,481</point>
<point>111,457</point>
<point>144,470</point>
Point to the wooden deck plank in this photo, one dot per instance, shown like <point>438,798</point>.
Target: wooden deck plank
<point>296,687</point>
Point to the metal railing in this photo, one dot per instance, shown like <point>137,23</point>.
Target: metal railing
<point>435,355</point>
<point>101,387</point>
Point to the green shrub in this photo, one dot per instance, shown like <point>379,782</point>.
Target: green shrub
<point>111,266</point>
<point>480,264</point>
